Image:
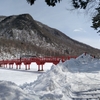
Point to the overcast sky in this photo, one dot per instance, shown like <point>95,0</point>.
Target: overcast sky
<point>72,23</point>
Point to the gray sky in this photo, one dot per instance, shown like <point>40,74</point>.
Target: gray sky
<point>74,24</point>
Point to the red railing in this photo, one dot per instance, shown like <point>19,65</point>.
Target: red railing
<point>38,60</point>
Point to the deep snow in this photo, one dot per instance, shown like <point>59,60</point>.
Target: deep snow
<point>74,79</point>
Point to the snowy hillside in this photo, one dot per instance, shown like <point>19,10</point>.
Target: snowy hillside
<point>2,17</point>
<point>21,34</point>
<point>75,79</point>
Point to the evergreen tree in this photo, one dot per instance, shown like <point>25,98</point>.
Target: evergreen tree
<point>48,2</point>
<point>96,20</point>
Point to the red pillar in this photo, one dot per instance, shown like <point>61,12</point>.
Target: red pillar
<point>85,53</point>
<point>38,67</point>
<point>6,65</point>
<point>42,68</point>
<point>19,66</point>
<point>28,66</point>
<point>16,66</point>
<point>9,65</point>
<point>25,66</point>
<point>12,65</point>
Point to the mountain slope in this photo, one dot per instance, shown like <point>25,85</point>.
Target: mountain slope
<point>22,35</point>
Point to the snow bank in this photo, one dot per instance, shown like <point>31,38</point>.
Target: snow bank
<point>10,91</point>
<point>74,79</point>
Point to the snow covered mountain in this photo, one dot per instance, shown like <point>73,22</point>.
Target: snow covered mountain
<point>22,35</point>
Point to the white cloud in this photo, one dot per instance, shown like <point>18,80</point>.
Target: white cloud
<point>76,30</point>
<point>79,30</point>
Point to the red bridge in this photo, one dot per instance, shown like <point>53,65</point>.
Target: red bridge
<point>40,61</point>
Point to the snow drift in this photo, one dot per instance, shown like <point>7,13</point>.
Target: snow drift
<point>10,91</point>
<point>74,79</point>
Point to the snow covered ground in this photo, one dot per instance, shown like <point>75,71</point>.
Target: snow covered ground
<point>75,79</point>
<point>21,76</point>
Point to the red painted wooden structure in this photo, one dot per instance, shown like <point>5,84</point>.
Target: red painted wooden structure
<point>40,61</point>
